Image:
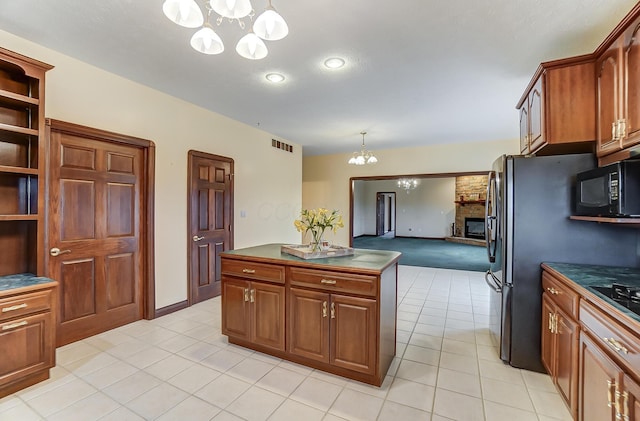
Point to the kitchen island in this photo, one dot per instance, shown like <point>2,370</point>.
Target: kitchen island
<point>336,314</point>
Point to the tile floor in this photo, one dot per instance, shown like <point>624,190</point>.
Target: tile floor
<point>179,367</point>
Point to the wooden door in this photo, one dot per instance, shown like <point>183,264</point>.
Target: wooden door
<point>566,375</point>
<point>353,333</point>
<point>309,324</point>
<point>536,115</point>
<point>632,87</point>
<point>380,211</point>
<point>236,310</point>
<point>95,232</point>
<point>608,96</point>
<point>210,221</point>
<point>599,377</point>
<point>267,319</point>
<point>547,337</point>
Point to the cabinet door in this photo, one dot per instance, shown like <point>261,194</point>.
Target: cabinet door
<point>630,401</point>
<point>267,319</point>
<point>548,338</point>
<point>632,86</point>
<point>599,377</point>
<point>608,94</point>
<point>236,311</point>
<point>27,346</point>
<point>353,333</point>
<point>309,324</point>
<point>566,375</point>
<point>536,116</point>
<point>524,127</point>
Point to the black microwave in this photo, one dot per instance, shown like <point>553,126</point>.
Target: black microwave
<point>613,190</point>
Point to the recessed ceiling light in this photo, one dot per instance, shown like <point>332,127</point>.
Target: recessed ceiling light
<point>275,77</point>
<point>334,62</point>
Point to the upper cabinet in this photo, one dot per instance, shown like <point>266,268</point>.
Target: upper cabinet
<point>557,111</point>
<point>618,87</point>
<point>22,157</point>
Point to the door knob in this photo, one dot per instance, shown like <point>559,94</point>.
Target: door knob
<point>196,238</point>
<point>57,252</point>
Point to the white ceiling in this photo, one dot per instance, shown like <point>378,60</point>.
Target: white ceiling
<point>418,71</point>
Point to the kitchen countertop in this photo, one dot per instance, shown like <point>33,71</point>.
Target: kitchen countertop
<point>375,260</point>
<point>588,276</point>
<point>21,280</point>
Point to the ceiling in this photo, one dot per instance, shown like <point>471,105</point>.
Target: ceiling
<point>418,72</point>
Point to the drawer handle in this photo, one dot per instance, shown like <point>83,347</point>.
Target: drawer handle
<point>553,291</point>
<point>14,325</point>
<point>248,271</point>
<point>324,309</point>
<point>616,345</point>
<point>246,294</point>
<point>14,308</point>
<point>252,295</point>
<point>333,310</point>
<point>328,282</point>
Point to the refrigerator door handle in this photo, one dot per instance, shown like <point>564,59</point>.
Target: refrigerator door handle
<point>494,283</point>
<point>491,221</point>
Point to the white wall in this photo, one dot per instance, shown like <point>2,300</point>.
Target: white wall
<point>428,211</point>
<point>79,93</point>
<point>330,189</point>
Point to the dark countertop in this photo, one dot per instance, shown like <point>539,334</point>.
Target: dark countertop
<point>376,260</point>
<point>21,280</point>
<point>589,276</point>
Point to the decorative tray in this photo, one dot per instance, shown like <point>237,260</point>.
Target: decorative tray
<point>304,251</point>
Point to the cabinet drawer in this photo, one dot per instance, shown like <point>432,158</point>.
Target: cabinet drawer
<point>20,305</point>
<point>334,281</point>
<point>253,270</point>
<point>612,336</point>
<point>562,295</point>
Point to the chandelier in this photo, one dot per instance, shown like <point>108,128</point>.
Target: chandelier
<point>364,156</point>
<point>408,184</point>
<point>268,26</point>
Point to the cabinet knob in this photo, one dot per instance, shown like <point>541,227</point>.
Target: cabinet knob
<point>57,252</point>
<point>333,310</point>
<point>324,309</point>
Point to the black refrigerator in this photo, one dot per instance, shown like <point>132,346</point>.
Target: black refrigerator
<point>529,201</point>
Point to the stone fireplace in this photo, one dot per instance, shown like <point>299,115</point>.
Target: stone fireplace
<point>471,191</point>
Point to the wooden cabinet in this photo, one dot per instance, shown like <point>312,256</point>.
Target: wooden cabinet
<point>340,313</point>
<point>22,158</point>
<point>558,108</point>
<point>336,329</point>
<point>618,94</point>
<point>27,336</point>
<point>253,310</point>
<point>609,365</point>
<point>559,337</point>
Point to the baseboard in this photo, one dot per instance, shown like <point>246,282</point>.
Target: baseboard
<point>422,238</point>
<point>171,308</point>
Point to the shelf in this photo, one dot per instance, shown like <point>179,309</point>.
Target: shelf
<point>18,217</point>
<point>626,221</point>
<point>17,99</point>
<point>18,170</point>
<point>470,202</point>
<point>18,129</point>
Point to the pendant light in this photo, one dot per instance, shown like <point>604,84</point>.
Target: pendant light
<point>364,156</point>
<point>207,41</point>
<point>185,13</point>
<point>270,25</point>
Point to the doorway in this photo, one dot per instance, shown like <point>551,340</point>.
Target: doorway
<point>100,230</point>
<point>385,214</point>
<point>210,210</point>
